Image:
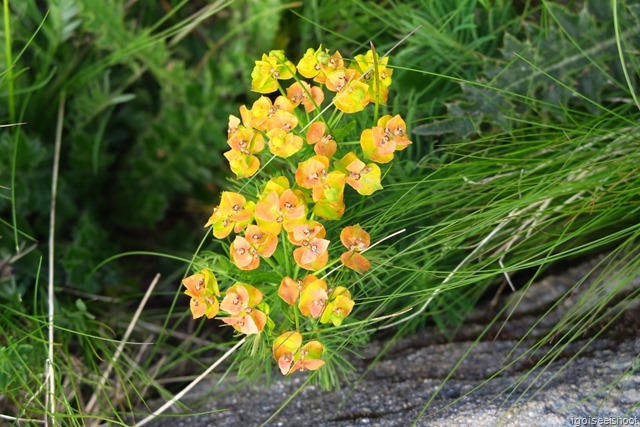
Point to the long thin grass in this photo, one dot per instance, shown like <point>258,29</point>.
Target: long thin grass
<point>50,378</point>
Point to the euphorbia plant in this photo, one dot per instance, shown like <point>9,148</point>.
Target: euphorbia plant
<point>281,229</point>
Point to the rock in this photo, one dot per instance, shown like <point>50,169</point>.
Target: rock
<point>596,375</point>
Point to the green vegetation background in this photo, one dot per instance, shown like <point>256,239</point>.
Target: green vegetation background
<point>523,116</point>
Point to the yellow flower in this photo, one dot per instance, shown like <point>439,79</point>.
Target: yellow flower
<point>378,88</point>
<point>267,72</point>
<point>352,95</point>
<point>290,289</point>
<point>313,298</point>
<point>283,144</point>
<point>233,214</point>
<point>273,212</point>
<point>244,143</point>
<point>339,306</point>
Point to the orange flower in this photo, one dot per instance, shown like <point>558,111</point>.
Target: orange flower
<point>352,94</point>
<point>287,351</point>
<point>233,214</point>
<point>365,179</point>
<point>246,251</point>
<point>284,349</point>
<point>380,142</point>
<point>313,298</point>
<point>328,188</point>
<point>356,240</point>
<point>311,172</point>
<point>240,301</point>
<point>266,115</point>
<point>396,130</point>
<point>376,146</point>
<point>312,255</point>
<point>267,72</point>
<point>244,142</point>
<point>322,141</point>
<point>234,122</point>
<point>202,287</point>
<point>273,212</point>
<point>290,289</point>
<point>243,255</point>
<point>307,230</point>
<point>239,297</point>
<point>308,96</point>
<point>265,243</point>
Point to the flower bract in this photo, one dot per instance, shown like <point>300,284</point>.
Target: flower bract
<point>270,69</point>
<point>308,357</point>
<point>285,347</point>
<point>240,301</point>
<point>313,298</point>
<point>365,179</point>
<point>233,213</point>
<point>202,287</point>
<point>356,240</point>
<point>339,306</point>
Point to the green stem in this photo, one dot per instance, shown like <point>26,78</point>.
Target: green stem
<point>335,118</point>
<point>8,54</point>
<point>271,264</point>
<point>14,215</point>
<point>376,85</point>
<point>12,114</point>
<point>623,65</point>
<point>285,250</point>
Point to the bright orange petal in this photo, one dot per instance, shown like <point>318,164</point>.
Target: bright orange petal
<point>198,307</point>
<point>195,285</point>
<point>355,261</point>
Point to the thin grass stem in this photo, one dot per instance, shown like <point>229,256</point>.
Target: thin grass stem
<point>9,57</point>
<point>50,376</point>
<point>623,64</point>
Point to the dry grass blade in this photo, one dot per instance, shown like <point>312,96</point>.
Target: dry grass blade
<point>192,384</point>
<point>125,338</point>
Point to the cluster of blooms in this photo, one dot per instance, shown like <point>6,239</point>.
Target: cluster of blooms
<point>286,210</point>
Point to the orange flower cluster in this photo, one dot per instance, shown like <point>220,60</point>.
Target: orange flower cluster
<point>282,220</point>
